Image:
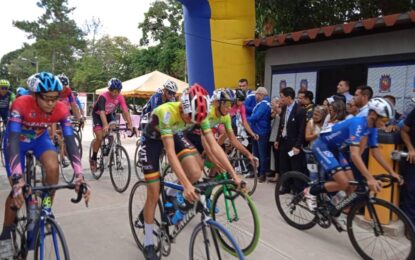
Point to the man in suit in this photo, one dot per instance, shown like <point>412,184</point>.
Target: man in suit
<point>291,135</point>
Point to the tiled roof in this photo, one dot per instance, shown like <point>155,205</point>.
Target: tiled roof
<point>381,23</point>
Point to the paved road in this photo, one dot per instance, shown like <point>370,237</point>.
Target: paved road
<point>102,231</point>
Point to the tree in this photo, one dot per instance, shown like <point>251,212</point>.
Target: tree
<point>110,58</point>
<point>58,39</point>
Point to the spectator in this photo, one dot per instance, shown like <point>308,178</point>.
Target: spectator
<point>343,88</point>
<point>336,112</point>
<point>305,98</point>
<point>392,125</point>
<point>361,96</point>
<point>260,124</point>
<point>275,123</point>
<point>243,84</point>
<point>291,136</point>
<point>408,167</point>
<point>315,124</point>
<point>351,109</point>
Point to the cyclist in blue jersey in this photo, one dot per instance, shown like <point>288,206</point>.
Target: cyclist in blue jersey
<point>353,133</point>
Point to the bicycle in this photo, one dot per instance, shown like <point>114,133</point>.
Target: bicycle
<point>2,132</point>
<point>46,238</point>
<point>392,235</point>
<point>236,209</point>
<point>118,163</point>
<point>218,237</point>
<point>243,166</point>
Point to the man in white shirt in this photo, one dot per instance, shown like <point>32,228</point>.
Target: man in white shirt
<point>343,88</point>
<point>361,97</point>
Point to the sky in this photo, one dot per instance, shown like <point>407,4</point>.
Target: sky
<point>118,18</point>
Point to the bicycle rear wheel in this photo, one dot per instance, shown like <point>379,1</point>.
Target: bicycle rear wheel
<point>384,233</point>
<point>100,162</point>
<point>292,206</point>
<point>204,242</point>
<point>234,210</point>
<point>120,169</point>
<point>19,234</point>
<point>136,204</point>
<point>54,243</point>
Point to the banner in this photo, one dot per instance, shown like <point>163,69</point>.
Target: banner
<point>392,80</point>
<point>82,96</point>
<point>296,80</point>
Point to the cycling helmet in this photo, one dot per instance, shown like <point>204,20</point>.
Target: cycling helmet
<point>44,82</point>
<point>170,85</point>
<point>240,94</point>
<point>114,83</point>
<point>382,107</point>
<point>21,91</point>
<point>64,79</point>
<point>231,93</point>
<point>194,102</point>
<point>4,83</point>
<point>221,95</point>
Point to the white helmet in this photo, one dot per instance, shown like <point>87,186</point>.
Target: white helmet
<point>382,107</point>
<point>170,85</point>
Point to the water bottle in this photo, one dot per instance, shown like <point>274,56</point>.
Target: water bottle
<point>177,217</point>
<point>339,197</point>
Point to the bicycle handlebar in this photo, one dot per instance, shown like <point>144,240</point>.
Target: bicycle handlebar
<point>386,179</point>
<point>82,189</point>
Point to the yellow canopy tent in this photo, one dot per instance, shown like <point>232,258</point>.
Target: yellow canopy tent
<point>146,85</point>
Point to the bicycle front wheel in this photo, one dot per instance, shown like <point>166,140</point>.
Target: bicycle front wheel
<point>292,205</point>
<point>205,242</point>
<point>136,204</point>
<point>50,242</point>
<point>120,169</point>
<point>237,212</point>
<point>383,231</point>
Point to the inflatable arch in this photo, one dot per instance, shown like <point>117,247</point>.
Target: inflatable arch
<point>215,31</point>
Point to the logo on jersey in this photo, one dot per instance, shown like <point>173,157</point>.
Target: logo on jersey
<point>166,118</point>
<point>385,83</point>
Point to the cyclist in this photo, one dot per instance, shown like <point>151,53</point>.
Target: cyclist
<point>27,130</point>
<point>166,129</point>
<point>6,99</point>
<point>78,103</point>
<point>238,114</point>
<point>351,132</point>
<point>221,103</point>
<point>67,97</point>
<point>103,114</point>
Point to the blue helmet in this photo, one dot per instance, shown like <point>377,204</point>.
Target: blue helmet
<point>44,82</point>
<point>114,83</point>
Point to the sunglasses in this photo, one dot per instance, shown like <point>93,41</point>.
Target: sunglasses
<point>228,104</point>
<point>384,119</point>
<point>171,93</point>
<point>49,98</point>
<point>4,88</point>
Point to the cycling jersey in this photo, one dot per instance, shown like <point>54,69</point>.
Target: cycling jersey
<point>27,130</point>
<point>66,96</point>
<point>215,120</point>
<point>5,102</point>
<point>154,101</point>
<point>108,104</point>
<point>166,121</point>
<point>328,147</point>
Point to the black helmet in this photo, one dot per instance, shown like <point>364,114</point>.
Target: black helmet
<point>240,94</point>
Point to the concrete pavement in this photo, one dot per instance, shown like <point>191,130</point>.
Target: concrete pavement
<point>102,231</point>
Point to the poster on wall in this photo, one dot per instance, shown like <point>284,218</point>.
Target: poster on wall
<point>306,81</point>
<point>296,80</point>
<point>280,81</point>
<point>390,80</point>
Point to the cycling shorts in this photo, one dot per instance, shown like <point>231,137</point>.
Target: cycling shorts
<point>196,140</point>
<point>39,145</point>
<point>97,122</point>
<point>151,150</point>
<point>329,157</point>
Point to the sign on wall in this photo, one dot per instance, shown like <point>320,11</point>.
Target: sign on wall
<point>398,81</point>
<point>297,80</point>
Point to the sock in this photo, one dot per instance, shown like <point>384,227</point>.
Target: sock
<point>94,156</point>
<point>6,234</point>
<point>148,237</point>
<point>171,192</point>
<point>316,189</point>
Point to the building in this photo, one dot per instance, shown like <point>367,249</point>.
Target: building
<point>379,52</point>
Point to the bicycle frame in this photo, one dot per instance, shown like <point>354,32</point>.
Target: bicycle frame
<point>227,194</point>
<point>46,212</point>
